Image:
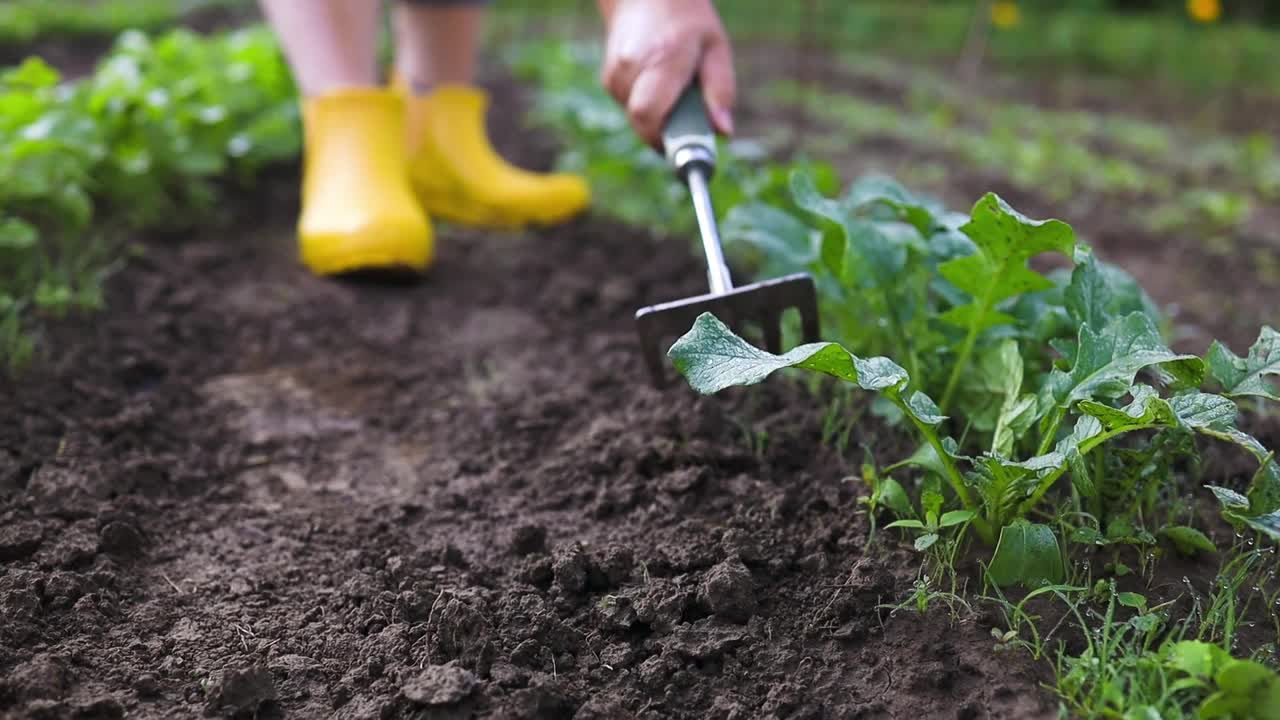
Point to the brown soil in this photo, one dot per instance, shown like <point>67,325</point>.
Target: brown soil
<point>250,492</point>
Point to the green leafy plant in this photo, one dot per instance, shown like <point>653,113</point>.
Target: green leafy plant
<point>1040,377</point>
<point>1238,689</point>
<point>930,529</point>
<point>23,21</point>
<point>145,142</point>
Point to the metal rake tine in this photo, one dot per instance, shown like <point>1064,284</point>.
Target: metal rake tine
<point>771,326</point>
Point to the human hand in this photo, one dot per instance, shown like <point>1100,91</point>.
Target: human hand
<point>654,48</point>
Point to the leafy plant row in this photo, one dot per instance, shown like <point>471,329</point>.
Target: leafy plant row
<point>144,142</point>
<point>1044,377</point>
<point>1018,385</point>
<point>1051,162</point>
<point>24,21</point>
<point>1245,163</point>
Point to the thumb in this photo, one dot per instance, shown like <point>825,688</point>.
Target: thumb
<point>719,88</point>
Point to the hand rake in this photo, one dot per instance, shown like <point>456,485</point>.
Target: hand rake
<point>690,147</point>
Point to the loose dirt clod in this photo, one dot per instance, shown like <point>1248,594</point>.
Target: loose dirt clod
<point>728,591</point>
<point>569,568</point>
<point>10,471</point>
<point>240,693</point>
<point>529,539</point>
<point>440,685</point>
<point>120,538</point>
<point>43,677</point>
<point>19,539</point>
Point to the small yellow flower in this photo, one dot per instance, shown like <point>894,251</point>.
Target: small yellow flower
<point>1005,14</point>
<point>1205,11</point>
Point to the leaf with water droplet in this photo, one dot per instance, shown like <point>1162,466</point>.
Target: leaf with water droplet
<point>1026,554</point>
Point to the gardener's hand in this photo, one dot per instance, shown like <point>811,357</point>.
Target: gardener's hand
<point>654,49</point>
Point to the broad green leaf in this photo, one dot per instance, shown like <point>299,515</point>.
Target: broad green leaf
<point>926,411</point>
<point>871,257</point>
<point>1099,292</point>
<point>876,374</point>
<point>17,234</point>
<point>808,198</point>
<point>1027,554</point>
<point>1194,657</point>
<point>924,542</point>
<point>1017,411</point>
<point>1204,411</point>
<point>1251,689</point>
<point>913,524</point>
<point>1107,362</point>
<point>1016,418</point>
<point>1087,427</point>
<point>712,358</point>
<point>880,190</point>
<point>33,74</point>
<point>1188,540</point>
<point>956,517</point>
<point>833,250</point>
<point>1189,683</point>
<point>894,497</point>
<point>1146,622</point>
<point>1224,705</point>
<point>1230,499</point>
<point>1268,524</point>
<point>1086,296</point>
<point>1147,409</point>
<point>1081,475</point>
<point>783,238</point>
<point>1004,241</point>
<point>1120,528</point>
<point>1247,376</point>
<point>984,388</point>
<point>1131,599</point>
<point>1143,712</point>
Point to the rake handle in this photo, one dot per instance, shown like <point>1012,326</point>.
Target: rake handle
<point>690,147</point>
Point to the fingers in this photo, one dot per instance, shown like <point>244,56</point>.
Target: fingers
<point>656,90</point>
<point>620,69</point>
<point>719,87</point>
<point>654,49</point>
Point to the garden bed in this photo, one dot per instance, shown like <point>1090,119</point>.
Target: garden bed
<point>247,491</point>
<point>242,482</point>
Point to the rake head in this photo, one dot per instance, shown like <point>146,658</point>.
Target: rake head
<point>761,304</point>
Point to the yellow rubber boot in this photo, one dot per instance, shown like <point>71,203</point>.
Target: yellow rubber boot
<point>358,207</point>
<point>460,177</point>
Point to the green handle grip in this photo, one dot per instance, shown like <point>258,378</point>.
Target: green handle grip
<point>687,137</point>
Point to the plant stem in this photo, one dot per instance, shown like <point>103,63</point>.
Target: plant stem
<point>1051,478</point>
<point>913,361</point>
<point>1046,441</point>
<point>981,526</point>
<point>962,360</point>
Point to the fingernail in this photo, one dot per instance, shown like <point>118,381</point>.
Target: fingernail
<point>725,120</point>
